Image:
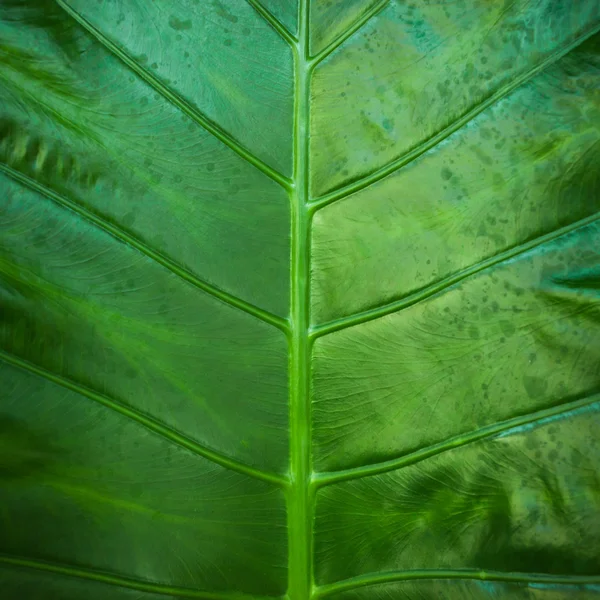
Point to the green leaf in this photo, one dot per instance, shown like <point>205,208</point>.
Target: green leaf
<point>299,299</point>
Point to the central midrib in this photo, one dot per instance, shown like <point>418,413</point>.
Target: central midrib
<point>299,491</point>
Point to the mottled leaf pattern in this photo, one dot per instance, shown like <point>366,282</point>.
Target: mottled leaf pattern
<point>299,299</point>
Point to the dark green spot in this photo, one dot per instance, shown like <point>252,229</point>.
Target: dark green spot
<point>179,25</point>
<point>446,174</point>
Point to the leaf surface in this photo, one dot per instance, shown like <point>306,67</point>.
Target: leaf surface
<point>299,299</point>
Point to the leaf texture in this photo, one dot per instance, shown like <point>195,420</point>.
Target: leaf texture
<point>299,299</point>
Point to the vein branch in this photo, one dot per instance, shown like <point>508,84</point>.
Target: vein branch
<point>433,574</point>
<point>358,24</point>
<point>126,238</point>
<point>438,138</point>
<point>324,479</point>
<point>125,582</point>
<point>440,286</point>
<point>175,99</point>
<point>274,22</point>
<point>146,421</point>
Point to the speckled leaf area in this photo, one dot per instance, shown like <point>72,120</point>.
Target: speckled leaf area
<point>299,299</point>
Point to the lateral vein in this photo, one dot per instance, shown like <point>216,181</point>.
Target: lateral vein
<point>440,286</point>
<point>329,478</point>
<point>358,24</point>
<point>438,138</point>
<point>175,99</point>
<point>431,574</point>
<point>150,423</point>
<point>157,257</point>
<point>126,582</point>
<point>274,22</point>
